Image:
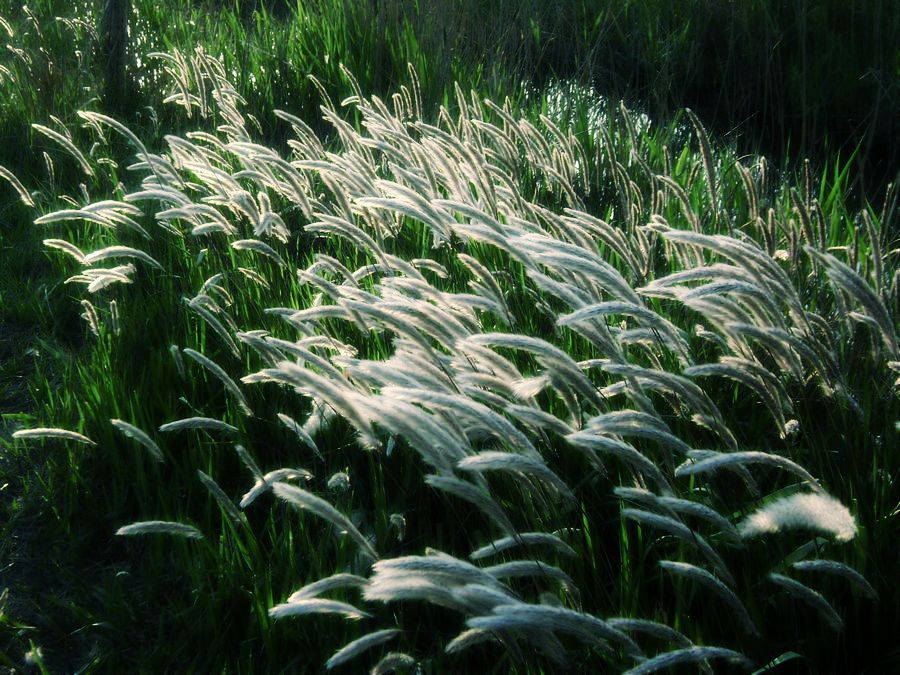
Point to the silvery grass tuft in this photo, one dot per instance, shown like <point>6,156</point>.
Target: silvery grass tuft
<point>140,436</point>
<point>807,511</point>
<point>197,423</point>
<point>47,432</point>
<point>160,527</point>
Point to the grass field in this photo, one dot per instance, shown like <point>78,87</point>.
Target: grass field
<point>383,336</point>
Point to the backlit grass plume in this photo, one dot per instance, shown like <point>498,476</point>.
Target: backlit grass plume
<point>817,512</point>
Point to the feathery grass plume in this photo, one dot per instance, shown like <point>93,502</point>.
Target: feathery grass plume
<point>480,358</point>
<point>714,461</point>
<point>783,346</point>
<point>179,362</point>
<point>710,581</point>
<point>265,482</point>
<point>344,400</point>
<point>10,178</point>
<point>658,630</point>
<point>708,168</point>
<point>316,606</point>
<point>474,213</point>
<point>542,640</point>
<point>393,662</point>
<point>714,273</point>
<point>161,193</point>
<point>255,277</point>
<point>436,578</point>
<point>522,539</point>
<point>257,247</point>
<point>594,442</point>
<point>219,495</point>
<point>609,235</point>
<point>681,507</point>
<point>439,445</point>
<point>197,304</point>
<point>636,423</point>
<point>778,396</point>
<point>681,531</point>
<point>359,645</point>
<point>212,285</point>
<point>537,418</point>
<point>584,626</point>
<point>198,423</point>
<point>160,527</point>
<point>844,278</point>
<point>697,399</point>
<point>248,461</point>
<point>118,213</point>
<point>66,247</point>
<point>326,287</point>
<point>52,432</point>
<point>696,654</point>
<point>345,228</point>
<point>406,587</point>
<point>468,638</point>
<point>704,512</point>
<point>672,337</point>
<point>200,216</point>
<point>114,323</point>
<point>294,426</point>
<point>307,356</point>
<point>752,195</point>
<point>812,598</point>
<point>434,322</point>
<point>99,278</point>
<point>800,207</point>
<point>480,599</point>
<point>636,494</point>
<point>568,291</point>
<point>339,482</point>
<point>563,257</point>
<point>738,469</point>
<point>531,568</point>
<point>392,319</point>
<point>689,213</point>
<point>875,244</point>
<point>838,569</point>
<point>486,284</point>
<point>818,511</point>
<point>222,376</point>
<point>66,142</point>
<point>473,416</point>
<point>553,358</point>
<point>768,388</point>
<point>316,588</point>
<point>764,270</point>
<point>96,119</point>
<point>310,502</point>
<point>140,436</point>
<point>326,262</point>
<point>441,566</point>
<point>119,252</point>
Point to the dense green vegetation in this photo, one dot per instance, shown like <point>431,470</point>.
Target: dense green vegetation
<point>500,188</point>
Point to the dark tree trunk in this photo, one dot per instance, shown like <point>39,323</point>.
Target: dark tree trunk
<point>113,48</point>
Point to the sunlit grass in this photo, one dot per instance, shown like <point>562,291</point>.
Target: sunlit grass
<point>472,326</point>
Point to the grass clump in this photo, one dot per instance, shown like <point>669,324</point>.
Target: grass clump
<point>613,358</point>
